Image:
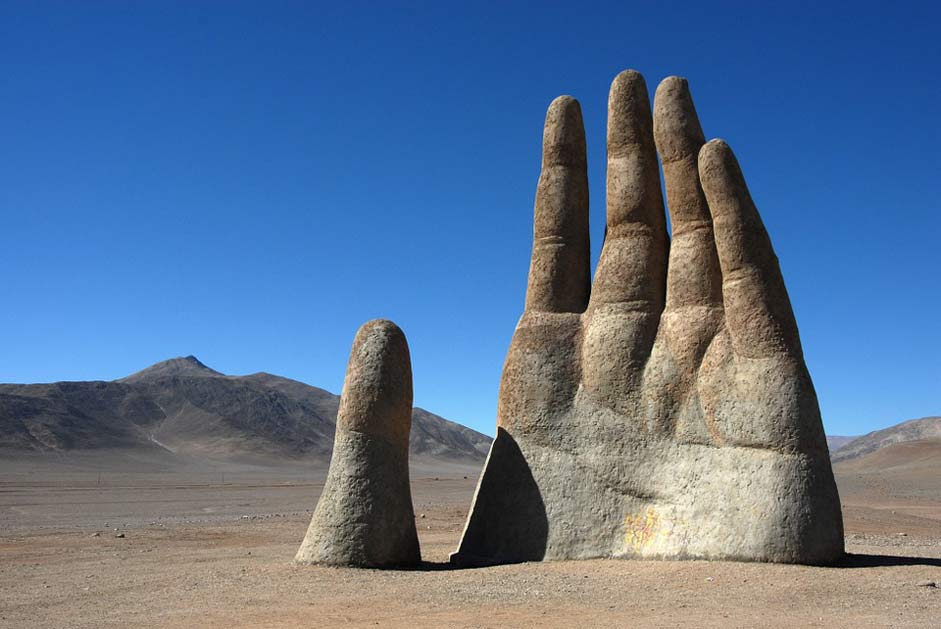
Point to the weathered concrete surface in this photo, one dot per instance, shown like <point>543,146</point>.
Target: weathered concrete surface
<point>364,517</point>
<point>667,411</point>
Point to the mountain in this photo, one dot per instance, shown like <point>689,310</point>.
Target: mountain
<point>181,366</point>
<point>926,428</point>
<point>835,442</point>
<point>896,473</point>
<point>182,406</point>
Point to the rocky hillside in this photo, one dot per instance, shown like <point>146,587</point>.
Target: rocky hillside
<point>183,406</point>
<point>835,442</point>
<point>926,428</point>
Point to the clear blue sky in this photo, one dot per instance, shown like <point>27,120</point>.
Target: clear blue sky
<point>249,182</point>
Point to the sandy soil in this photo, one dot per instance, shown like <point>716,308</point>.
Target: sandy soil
<point>195,552</point>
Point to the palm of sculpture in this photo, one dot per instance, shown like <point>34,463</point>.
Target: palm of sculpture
<point>664,410</point>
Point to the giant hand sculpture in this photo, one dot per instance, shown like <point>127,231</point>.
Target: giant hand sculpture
<point>665,410</point>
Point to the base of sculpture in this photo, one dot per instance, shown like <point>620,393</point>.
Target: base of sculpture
<point>693,501</point>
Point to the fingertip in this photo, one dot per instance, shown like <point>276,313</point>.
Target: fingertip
<point>677,131</point>
<point>672,88</point>
<point>379,331</point>
<point>378,383</point>
<point>729,200</point>
<point>564,103</point>
<point>627,80</point>
<point>715,157</point>
<point>673,82</point>
<point>629,120</point>
<point>628,87</point>
<point>380,345</point>
<point>564,133</point>
<point>714,148</point>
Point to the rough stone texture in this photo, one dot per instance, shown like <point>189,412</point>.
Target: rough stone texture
<point>665,412</point>
<point>364,517</point>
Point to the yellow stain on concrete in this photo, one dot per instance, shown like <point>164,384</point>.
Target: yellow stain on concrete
<point>641,529</point>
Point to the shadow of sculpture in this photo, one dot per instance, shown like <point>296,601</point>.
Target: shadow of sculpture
<point>852,560</point>
<point>509,522</point>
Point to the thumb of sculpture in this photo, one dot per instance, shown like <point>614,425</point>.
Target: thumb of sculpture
<point>364,517</point>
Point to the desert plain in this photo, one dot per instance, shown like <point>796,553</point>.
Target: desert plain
<point>105,540</point>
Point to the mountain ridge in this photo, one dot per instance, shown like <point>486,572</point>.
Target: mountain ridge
<point>180,365</point>
<point>186,407</point>
<point>924,428</point>
<point>835,442</point>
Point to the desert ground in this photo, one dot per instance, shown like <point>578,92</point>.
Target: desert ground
<point>90,542</point>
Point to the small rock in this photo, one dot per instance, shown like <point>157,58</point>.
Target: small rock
<point>120,535</point>
<point>96,534</point>
<point>423,516</point>
<point>927,584</point>
<point>903,534</point>
<point>710,579</point>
